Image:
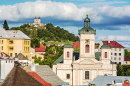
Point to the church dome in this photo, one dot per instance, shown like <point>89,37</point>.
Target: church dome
<point>87,19</point>
<point>68,46</point>
<point>105,46</point>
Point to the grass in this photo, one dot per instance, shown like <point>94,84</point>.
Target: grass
<point>56,42</point>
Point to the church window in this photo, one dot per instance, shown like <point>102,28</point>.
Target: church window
<point>68,54</point>
<point>105,54</point>
<point>68,76</point>
<point>87,49</point>
<point>86,74</point>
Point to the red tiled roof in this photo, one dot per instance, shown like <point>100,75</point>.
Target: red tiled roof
<point>40,49</point>
<point>96,47</point>
<point>127,59</point>
<point>38,78</point>
<point>76,45</point>
<point>113,44</point>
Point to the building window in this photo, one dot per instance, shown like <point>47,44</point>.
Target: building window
<point>119,49</point>
<point>6,61</point>
<point>119,54</point>
<point>87,49</point>
<point>126,62</point>
<point>33,57</point>
<point>2,48</point>
<point>115,58</point>
<point>11,54</point>
<point>105,54</point>
<point>111,53</point>
<point>115,49</point>
<point>120,63</point>
<point>2,41</point>
<point>115,54</point>
<point>68,76</point>
<point>15,54</point>
<point>68,54</point>
<point>28,42</point>
<point>11,42</point>
<point>86,74</point>
<point>28,48</point>
<point>11,48</point>
<point>119,58</point>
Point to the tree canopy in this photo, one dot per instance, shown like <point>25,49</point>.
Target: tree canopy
<point>5,25</point>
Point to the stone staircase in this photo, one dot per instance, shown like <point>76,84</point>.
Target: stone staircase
<point>48,75</point>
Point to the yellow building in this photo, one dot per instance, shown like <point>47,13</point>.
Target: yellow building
<point>13,42</point>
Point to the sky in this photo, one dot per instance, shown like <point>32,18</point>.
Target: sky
<point>110,18</point>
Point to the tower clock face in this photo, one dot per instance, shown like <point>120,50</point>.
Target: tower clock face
<point>87,41</point>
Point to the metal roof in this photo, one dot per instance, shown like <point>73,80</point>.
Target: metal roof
<point>101,80</point>
<point>13,34</point>
<point>68,46</point>
<point>105,46</point>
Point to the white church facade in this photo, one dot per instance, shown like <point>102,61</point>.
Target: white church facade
<point>80,68</point>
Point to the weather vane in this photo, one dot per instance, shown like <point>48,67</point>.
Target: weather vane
<point>87,13</point>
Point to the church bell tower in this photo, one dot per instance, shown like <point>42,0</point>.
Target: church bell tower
<point>87,40</point>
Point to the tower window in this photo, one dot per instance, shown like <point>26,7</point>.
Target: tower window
<point>87,49</point>
<point>68,76</point>
<point>68,54</point>
<point>86,74</point>
<point>105,54</point>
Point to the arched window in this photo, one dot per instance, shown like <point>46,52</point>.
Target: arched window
<point>105,54</point>
<point>87,49</point>
<point>68,54</point>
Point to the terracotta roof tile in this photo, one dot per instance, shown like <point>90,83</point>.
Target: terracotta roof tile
<point>113,44</point>
<point>38,78</point>
<point>40,49</point>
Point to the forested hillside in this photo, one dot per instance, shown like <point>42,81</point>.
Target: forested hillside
<point>51,33</point>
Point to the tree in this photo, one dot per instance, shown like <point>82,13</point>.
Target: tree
<point>35,42</point>
<point>5,25</point>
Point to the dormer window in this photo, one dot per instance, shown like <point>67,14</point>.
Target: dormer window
<point>68,54</point>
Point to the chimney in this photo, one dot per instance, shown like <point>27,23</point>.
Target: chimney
<point>108,41</point>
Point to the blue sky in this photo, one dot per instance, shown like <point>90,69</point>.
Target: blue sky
<point>110,18</point>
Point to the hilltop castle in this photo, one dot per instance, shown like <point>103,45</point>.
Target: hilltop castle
<point>37,23</point>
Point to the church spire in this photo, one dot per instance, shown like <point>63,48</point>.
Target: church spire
<point>87,21</point>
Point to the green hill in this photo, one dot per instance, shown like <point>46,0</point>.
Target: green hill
<point>51,33</point>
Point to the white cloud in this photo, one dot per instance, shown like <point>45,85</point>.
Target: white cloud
<point>66,11</point>
<point>101,38</point>
<point>119,38</point>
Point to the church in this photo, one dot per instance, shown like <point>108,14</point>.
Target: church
<point>80,68</point>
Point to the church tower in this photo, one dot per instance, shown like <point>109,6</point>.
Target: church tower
<point>87,40</point>
<point>68,54</point>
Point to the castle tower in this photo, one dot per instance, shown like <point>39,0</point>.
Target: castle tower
<point>37,21</point>
<point>87,40</point>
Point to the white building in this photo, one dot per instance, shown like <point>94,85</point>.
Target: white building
<point>117,51</point>
<point>6,65</point>
<point>80,68</point>
<point>37,23</point>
